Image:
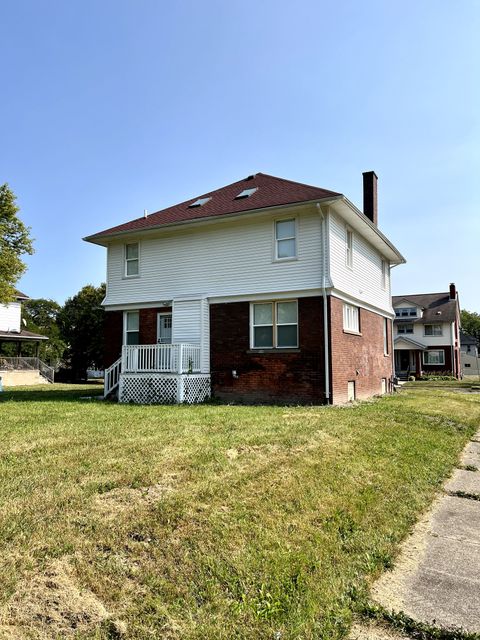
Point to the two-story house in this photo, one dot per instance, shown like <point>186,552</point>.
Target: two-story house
<point>427,337</point>
<point>15,368</point>
<point>265,290</point>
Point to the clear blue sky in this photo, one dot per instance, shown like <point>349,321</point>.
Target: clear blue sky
<point>110,107</point>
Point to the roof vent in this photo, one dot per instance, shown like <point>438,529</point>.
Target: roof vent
<point>199,203</point>
<point>246,193</point>
<point>251,177</point>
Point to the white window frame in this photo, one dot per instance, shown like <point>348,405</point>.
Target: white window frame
<point>125,330</point>
<point>277,240</point>
<point>384,274</point>
<point>433,334</point>
<point>274,324</point>
<point>402,326</point>
<point>441,351</point>
<point>399,314</point>
<point>127,260</point>
<point>349,247</point>
<point>351,318</point>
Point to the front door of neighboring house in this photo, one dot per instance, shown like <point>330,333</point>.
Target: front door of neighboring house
<point>405,360</point>
<point>164,336</point>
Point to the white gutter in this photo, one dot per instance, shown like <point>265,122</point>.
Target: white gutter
<point>326,351</point>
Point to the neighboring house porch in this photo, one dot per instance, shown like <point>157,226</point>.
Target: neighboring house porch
<point>408,357</point>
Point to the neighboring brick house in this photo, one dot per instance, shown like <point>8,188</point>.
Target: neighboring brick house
<point>427,337</point>
<point>265,290</point>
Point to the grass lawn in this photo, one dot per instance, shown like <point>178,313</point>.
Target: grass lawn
<point>212,522</point>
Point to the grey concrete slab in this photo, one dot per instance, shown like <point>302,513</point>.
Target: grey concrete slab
<point>466,481</point>
<point>469,457</point>
<point>473,448</point>
<point>437,577</point>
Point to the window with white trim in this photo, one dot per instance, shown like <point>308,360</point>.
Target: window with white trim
<point>386,349</point>
<point>349,247</point>
<point>405,328</point>
<point>274,325</point>
<point>406,312</point>
<point>285,239</point>
<point>384,274</point>
<point>433,330</point>
<point>132,327</point>
<point>351,318</point>
<point>131,259</point>
<point>434,356</point>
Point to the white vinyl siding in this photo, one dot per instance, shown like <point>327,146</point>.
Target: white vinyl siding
<point>222,259</point>
<point>363,280</point>
<point>349,248</point>
<point>351,318</point>
<point>190,324</point>
<point>384,274</point>
<point>10,317</point>
<point>417,332</point>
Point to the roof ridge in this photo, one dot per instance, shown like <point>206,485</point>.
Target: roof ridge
<point>302,184</point>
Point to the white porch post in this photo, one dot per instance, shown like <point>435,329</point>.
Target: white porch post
<point>180,372</point>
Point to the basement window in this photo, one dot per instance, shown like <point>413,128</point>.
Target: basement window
<point>199,203</point>
<point>246,193</point>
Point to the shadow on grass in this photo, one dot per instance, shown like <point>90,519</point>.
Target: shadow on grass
<point>53,393</point>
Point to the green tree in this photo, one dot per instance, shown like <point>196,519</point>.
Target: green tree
<point>470,321</point>
<point>41,316</point>
<point>81,327</point>
<point>15,242</point>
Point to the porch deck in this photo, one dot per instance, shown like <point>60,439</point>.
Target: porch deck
<point>159,374</point>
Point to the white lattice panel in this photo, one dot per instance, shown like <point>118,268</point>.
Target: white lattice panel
<point>196,388</point>
<point>164,389</point>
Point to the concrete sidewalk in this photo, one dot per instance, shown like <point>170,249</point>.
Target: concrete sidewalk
<point>436,579</point>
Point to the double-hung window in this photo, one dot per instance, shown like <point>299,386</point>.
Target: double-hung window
<point>405,328</point>
<point>349,247</point>
<point>274,325</point>
<point>131,260</point>
<point>132,327</point>
<point>434,356</point>
<point>285,239</point>
<point>433,330</point>
<point>351,318</point>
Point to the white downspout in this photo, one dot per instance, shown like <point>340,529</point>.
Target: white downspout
<point>326,349</point>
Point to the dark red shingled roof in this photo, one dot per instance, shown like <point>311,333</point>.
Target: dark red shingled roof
<point>271,192</point>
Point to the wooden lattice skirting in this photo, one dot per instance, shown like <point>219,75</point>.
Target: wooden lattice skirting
<point>164,388</point>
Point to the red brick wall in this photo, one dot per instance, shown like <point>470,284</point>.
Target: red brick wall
<point>358,357</point>
<point>448,366</point>
<point>114,331</point>
<point>283,376</point>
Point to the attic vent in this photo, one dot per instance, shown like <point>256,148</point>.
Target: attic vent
<point>251,177</point>
<point>199,203</point>
<point>246,193</point>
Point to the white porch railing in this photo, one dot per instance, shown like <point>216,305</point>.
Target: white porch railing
<point>161,358</point>
<point>111,377</point>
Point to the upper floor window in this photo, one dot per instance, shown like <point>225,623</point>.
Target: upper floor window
<point>351,318</point>
<point>404,328</point>
<point>406,312</point>
<point>131,259</point>
<point>384,274</point>
<point>349,248</point>
<point>285,239</point>
<point>132,327</point>
<point>433,330</point>
<point>274,324</point>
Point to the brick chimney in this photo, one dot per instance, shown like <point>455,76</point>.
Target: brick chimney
<point>453,291</point>
<point>370,208</point>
